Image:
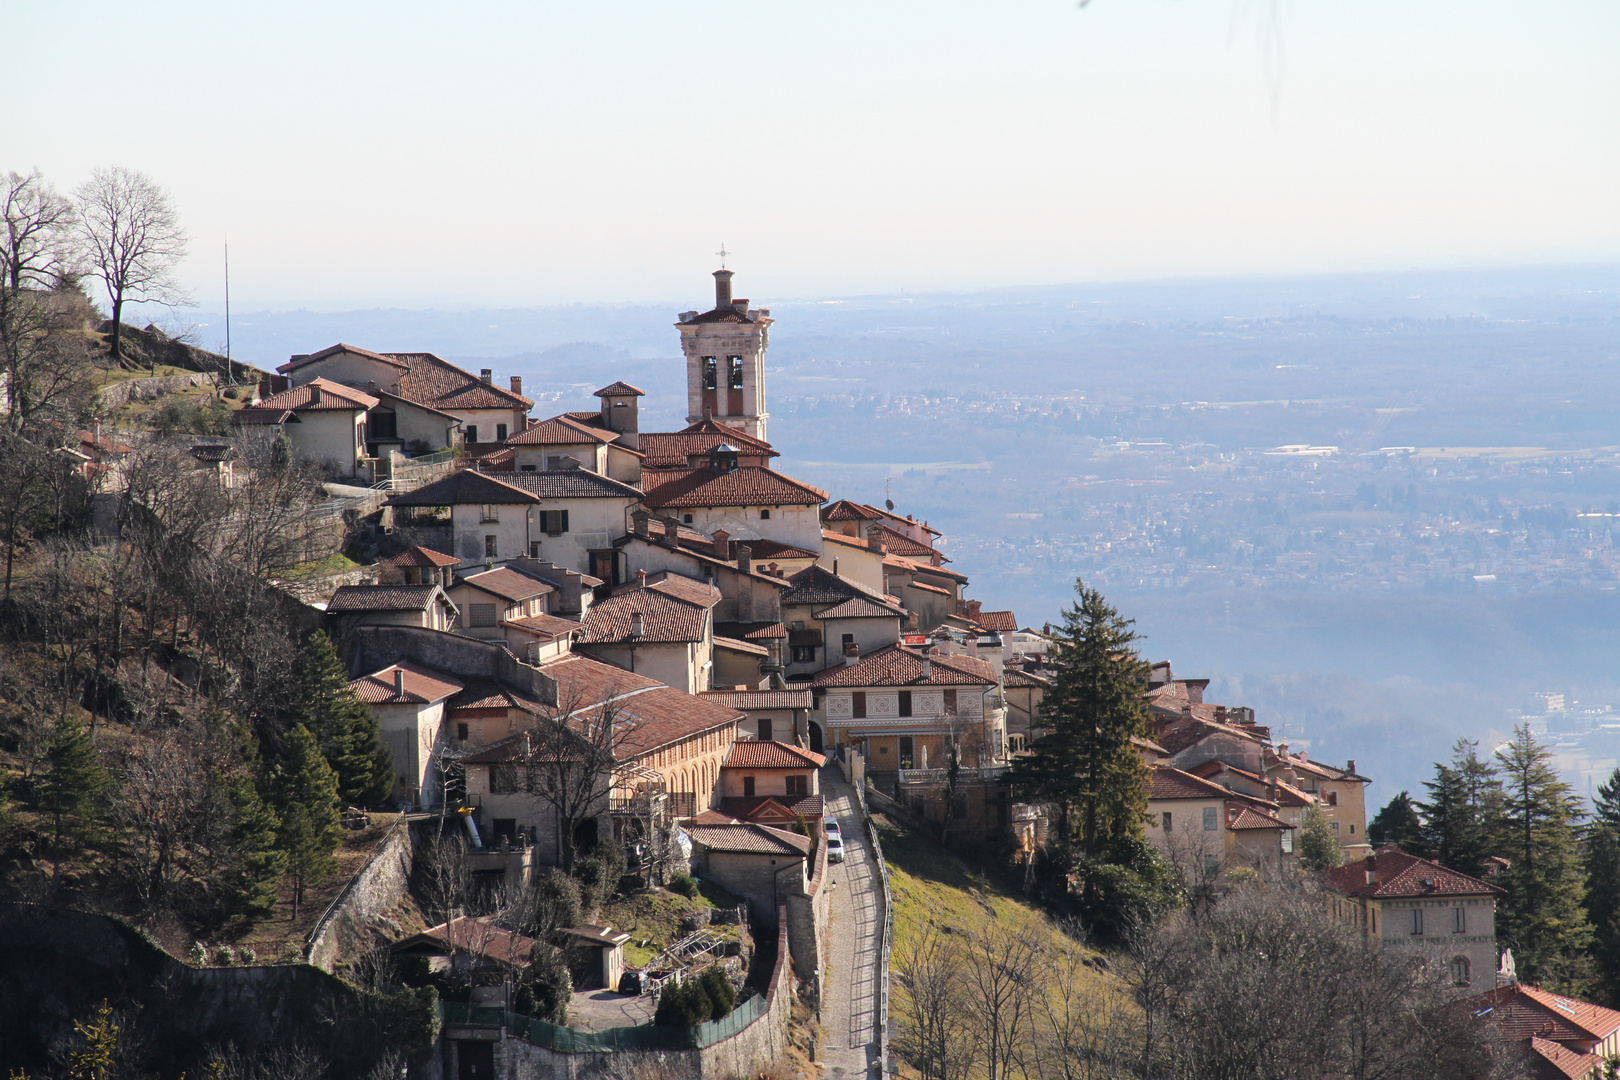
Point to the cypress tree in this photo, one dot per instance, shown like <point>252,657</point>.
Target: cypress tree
<point>1542,918</point>
<point>1398,823</point>
<point>1084,761</point>
<point>306,799</point>
<point>72,787</point>
<point>342,724</point>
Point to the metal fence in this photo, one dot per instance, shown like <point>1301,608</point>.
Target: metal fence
<point>567,1040</point>
<point>888,947</point>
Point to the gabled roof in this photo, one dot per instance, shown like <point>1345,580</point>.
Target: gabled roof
<point>771,755</point>
<point>335,397</point>
<point>773,549</point>
<point>759,700</point>
<point>1019,677</point>
<point>845,510</point>
<point>900,562</point>
<point>672,609</point>
<point>544,625</point>
<point>466,487</point>
<point>734,435</point>
<point>820,587</point>
<point>1248,817</point>
<point>746,485</point>
<point>1555,1061</point>
<point>738,645</point>
<point>506,583</point>
<point>897,665</point>
<point>561,431</point>
<point>420,556</point>
<point>860,607</point>
<point>468,934</point>
<point>422,685</point>
<point>571,484</point>
<point>749,839</point>
<point>1166,782</point>
<point>350,598</point>
<point>1002,622</point>
<point>618,389</point>
<point>670,449</point>
<point>1521,1011</point>
<point>751,631</point>
<point>443,385</point>
<point>765,809</point>
<point>899,544</point>
<point>1402,876</point>
<point>705,558</point>
<point>720,315</point>
<point>691,590</point>
<point>332,350</point>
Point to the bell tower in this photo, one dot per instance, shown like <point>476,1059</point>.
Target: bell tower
<point>725,361</point>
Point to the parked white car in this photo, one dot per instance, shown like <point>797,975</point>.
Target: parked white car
<point>835,849</point>
<point>830,827</point>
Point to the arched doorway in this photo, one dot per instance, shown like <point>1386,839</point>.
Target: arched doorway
<point>815,738</point>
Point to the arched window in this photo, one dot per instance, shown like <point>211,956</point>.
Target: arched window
<point>1460,973</point>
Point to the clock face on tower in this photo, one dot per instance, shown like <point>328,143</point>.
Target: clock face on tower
<point>725,361</point>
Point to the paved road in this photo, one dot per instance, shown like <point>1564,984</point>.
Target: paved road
<point>849,1004</point>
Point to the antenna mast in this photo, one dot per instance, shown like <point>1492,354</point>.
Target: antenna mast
<point>230,372</point>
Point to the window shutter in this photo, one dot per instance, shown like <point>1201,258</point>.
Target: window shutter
<point>483,614</point>
<point>859,700</point>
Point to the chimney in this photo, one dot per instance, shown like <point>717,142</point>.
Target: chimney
<point>1220,714</point>
<point>641,579</point>
<point>638,523</point>
<point>722,289</point>
<point>1282,751</point>
<point>517,384</point>
<point>1372,870</point>
<point>399,682</point>
<point>745,557</point>
<point>927,662</point>
<point>740,304</point>
<point>636,625</point>
<point>973,607</point>
<point>672,530</point>
<point>1350,766</point>
<point>314,394</point>
<point>1434,856</point>
<point>722,544</point>
<point>853,650</point>
<point>487,375</point>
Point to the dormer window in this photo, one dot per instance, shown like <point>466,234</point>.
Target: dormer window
<point>723,458</point>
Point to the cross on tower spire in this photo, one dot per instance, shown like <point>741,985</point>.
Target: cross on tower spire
<point>722,253</point>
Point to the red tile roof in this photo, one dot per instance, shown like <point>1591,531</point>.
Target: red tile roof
<point>691,590</point>
<point>1165,782</point>
<point>897,665</point>
<point>760,808</point>
<point>1521,1011</point>
<point>421,556</point>
<point>422,684</point>
<point>756,700</point>
<point>382,598</point>
<point>465,487</point>
<point>1400,876</point>
<point>771,549</point>
<point>1554,1061</point>
<point>560,431</point>
<point>899,544</point>
<point>666,616</point>
<point>738,645</point>
<point>847,541</point>
<point>670,449</point>
<point>546,625</point>
<point>468,934</point>
<point>1002,622</point>
<point>1019,677</point>
<point>749,839</point>
<point>771,755</point>
<point>1247,817</point>
<point>751,631</point>
<point>746,485</point>
<point>334,397</point>
<point>333,350</point>
<point>441,385</point>
<point>859,607</point>
<point>619,389</point>
<point>506,583</point>
<point>917,566</point>
<point>845,510</point>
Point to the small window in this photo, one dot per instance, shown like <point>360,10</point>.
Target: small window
<point>461,732</point>
<point>553,522</point>
<point>1335,825</point>
<point>883,749</point>
<point>503,779</point>
<point>1417,922</point>
<point>764,515</point>
<point>849,639</point>
<point>472,433</point>
<point>1212,865</point>
<point>804,654</point>
<point>1460,971</point>
<point>908,751</point>
<point>1333,798</point>
<point>858,704</point>
<point>748,787</point>
<point>1459,920</point>
<point>490,546</point>
<point>534,549</point>
<point>500,432</point>
<point>1212,819</point>
<point>950,701</point>
<point>708,373</point>
<point>1167,821</point>
<point>763,726</point>
<point>1288,841</point>
<point>798,785</point>
<point>686,519</point>
<point>905,703</point>
<point>490,513</point>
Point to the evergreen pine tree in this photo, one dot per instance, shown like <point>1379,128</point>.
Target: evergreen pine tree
<point>255,861</point>
<point>1603,910</point>
<point>1463,813</point>
<point>72,787</point>
<point>305,797</point>
<point>1084,762</point>
<point>342,724</point>
<point>1542,918</point>
<point>1398,823</point>
<point>1606,811</point>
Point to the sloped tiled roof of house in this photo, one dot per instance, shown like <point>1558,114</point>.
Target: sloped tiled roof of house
<point>335,397</point>
<point>469,934</point>
<point>1019,677</point>
<point>466,487</point>
<point>421,557</point>
<point>1555,1061</point>
<point>772,549</point>
<point>860,607</point>
<point>332,350</point>
<point>751,631</point>
<point>771,755</point>
<point>740,646</point>
<point>571,484</point>
<point>1401,876</point>
<point>422,685</point>
<point>618,389</point>
<point>546,625</point>
<point>750,839</point>
<point>746,485</point>
<point>670,449</point>
<point>1192,731</point>
<point>443,385</point>
<point>1002,622</point>
<point>773,807</point>
<point>916,566</point>
<point>561,431</point>
<point>1247,817</point>
<point>506,583</point>
<point>349,598</point>
<point>1521,1011</point>
<point>489,694</point>
<point>834,537</point>
<point>897,665</point>
<point>756,700</point>
<point>845,510</point>
<point>899,544</point>
<point>667,615</point>
<point>818,586</point>
<point>1166,782</point>
<point>691,590</point>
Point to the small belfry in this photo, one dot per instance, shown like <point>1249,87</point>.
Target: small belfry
<point>725,361</point>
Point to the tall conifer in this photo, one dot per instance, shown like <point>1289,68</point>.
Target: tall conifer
<point>306,800</point>
<point>72,787</point>
<point>1398,823</point>
<point>342,724</point>
<point>1464,809</point>
<point>1542,918</point>
<point>1084,761</point>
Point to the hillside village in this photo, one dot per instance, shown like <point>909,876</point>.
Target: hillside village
<point>575,636</point>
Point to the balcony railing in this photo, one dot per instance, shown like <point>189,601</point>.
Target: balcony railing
<point>941,776</point>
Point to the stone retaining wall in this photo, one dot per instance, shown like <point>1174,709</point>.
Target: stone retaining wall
<point>376,889</point>
<point>116,394</point>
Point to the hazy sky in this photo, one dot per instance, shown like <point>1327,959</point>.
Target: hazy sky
<point>456,155</point>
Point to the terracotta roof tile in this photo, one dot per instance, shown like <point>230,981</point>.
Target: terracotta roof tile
<point>571,484</point>
<point>382,598</point>
<point>422,685</point>
<point>746,485</point>
<point>897,665</point>
<point>1002,622</point>
<point>738,645</point>
<point>506,583</point>
<point>691,590</point>
<point>899,544</point>
<point>619,389</point>
<point>845,510</point>
<point>547,625</point>
<point>859,607</point>
<point>334,397</point>
<point>756,700</point>
<point>442,385</point>
<point>1400,875</point>
<point>820,587</point>
<point>468,934</point>
<point>1019,677</point>
<point>560,431</point>
<point>767,807</point>
<point>1521,1011</point>
<point>466,487</point>
<point>1557,1061</point>
<point>750,839</point>
<point>772,549</point>
<point>333,350</point>
<point>771,755</point>
<point>421,557</point>
<point>1165,782</point>
<point>665,617</point>
<point>1247,817</point>
<point>751,631</point>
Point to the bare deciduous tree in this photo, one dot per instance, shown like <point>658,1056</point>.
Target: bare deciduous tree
<point>933,1030</point>
<point>38,235</point>
<point>132,239</point>
<point>574,760</point>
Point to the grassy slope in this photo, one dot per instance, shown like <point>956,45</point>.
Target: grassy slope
<point>652,918</point>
